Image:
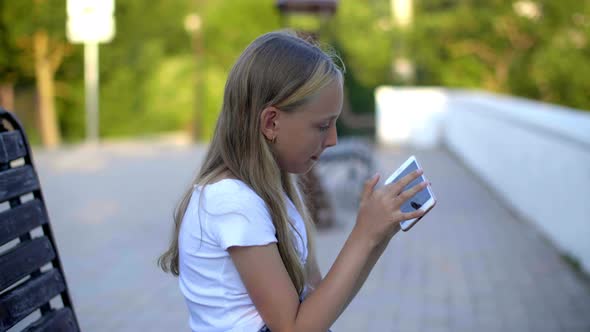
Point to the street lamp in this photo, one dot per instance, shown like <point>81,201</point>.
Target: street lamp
<point>528,9</point>
<point>402,14</point>
<point>193,24</point>
<point>91,22</point>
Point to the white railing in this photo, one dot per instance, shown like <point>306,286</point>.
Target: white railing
<point>535,155</point>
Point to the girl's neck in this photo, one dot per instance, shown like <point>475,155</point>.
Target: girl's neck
<point>223,176</point>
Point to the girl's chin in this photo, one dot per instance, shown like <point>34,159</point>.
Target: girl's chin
<point>303,167</point>
<point>310,165</point>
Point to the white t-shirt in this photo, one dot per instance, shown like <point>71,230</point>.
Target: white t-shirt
<point>230,214</point>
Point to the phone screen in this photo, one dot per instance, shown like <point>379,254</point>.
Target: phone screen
<point>421,197</point>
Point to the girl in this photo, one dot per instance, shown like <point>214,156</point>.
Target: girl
<point>243,237</point>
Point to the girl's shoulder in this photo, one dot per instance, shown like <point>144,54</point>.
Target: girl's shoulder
<point>234,215</point>
<point>229,195</point>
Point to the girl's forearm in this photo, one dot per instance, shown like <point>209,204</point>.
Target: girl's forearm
<point>375,255</point>
<point>323,306</point>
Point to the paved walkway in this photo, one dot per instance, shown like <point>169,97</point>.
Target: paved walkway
<point>470,265</point>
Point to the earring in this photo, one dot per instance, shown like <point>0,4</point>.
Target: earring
<point>272,140</point>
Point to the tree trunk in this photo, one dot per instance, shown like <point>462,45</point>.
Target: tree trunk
<point>7,96</point>
<point>44,74</point>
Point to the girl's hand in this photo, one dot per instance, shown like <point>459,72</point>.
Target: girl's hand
<point>379,212</point>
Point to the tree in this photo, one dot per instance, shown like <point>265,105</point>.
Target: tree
<point>228,27</point>
<point>145,72</point>
<point>36,28</point>
<point>361,34</point>
<point>533,48</point>
<point>9,71</point>
<point>528,48</point>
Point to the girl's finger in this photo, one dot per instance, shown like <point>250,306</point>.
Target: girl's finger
<point>369,186</point>
<point>404,196</point>
<point>412,215</point>
<point>398,186</point>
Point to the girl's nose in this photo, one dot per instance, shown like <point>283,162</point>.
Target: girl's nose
<point>332,138</point>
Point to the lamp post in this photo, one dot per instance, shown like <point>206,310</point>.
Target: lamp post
<point>193,24</point>
<point>402,15</point>
<point>91,22</point>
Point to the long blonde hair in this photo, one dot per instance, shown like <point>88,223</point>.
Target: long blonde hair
<point>277,69</point>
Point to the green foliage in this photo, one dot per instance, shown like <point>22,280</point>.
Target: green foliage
<point>357,30</point>
<point>155,75</point>
<point>360,33</point>
<point>489,45</point>
<point>146,72</point>
<point>9,70</point>
<point>228,28</point>
<point>19,20</point>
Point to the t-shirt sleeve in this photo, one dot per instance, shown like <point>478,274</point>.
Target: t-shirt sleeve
<point>242,220</point>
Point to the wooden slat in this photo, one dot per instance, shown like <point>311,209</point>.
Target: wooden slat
<point>17,181</point>
<point>24,259</point>
<point>28,297</point>
<point>12,146</point>
<point>61,320</point>
<point>23,218</point>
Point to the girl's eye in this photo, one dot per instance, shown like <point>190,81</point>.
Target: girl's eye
<point>324,128</point>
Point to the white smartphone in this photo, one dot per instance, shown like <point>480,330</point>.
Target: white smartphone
<point>424,200</point>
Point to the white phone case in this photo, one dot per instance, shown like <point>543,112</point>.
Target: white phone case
<point>428,199</point>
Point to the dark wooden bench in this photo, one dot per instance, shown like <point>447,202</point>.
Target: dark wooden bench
<point>33,290</point>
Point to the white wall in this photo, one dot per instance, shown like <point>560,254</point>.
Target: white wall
<point>536,155</point>
<point>409,116</point>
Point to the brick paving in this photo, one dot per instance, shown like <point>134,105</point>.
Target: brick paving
<point>470,265</point>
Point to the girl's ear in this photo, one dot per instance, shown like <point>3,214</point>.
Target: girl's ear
<point>269,122</point>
